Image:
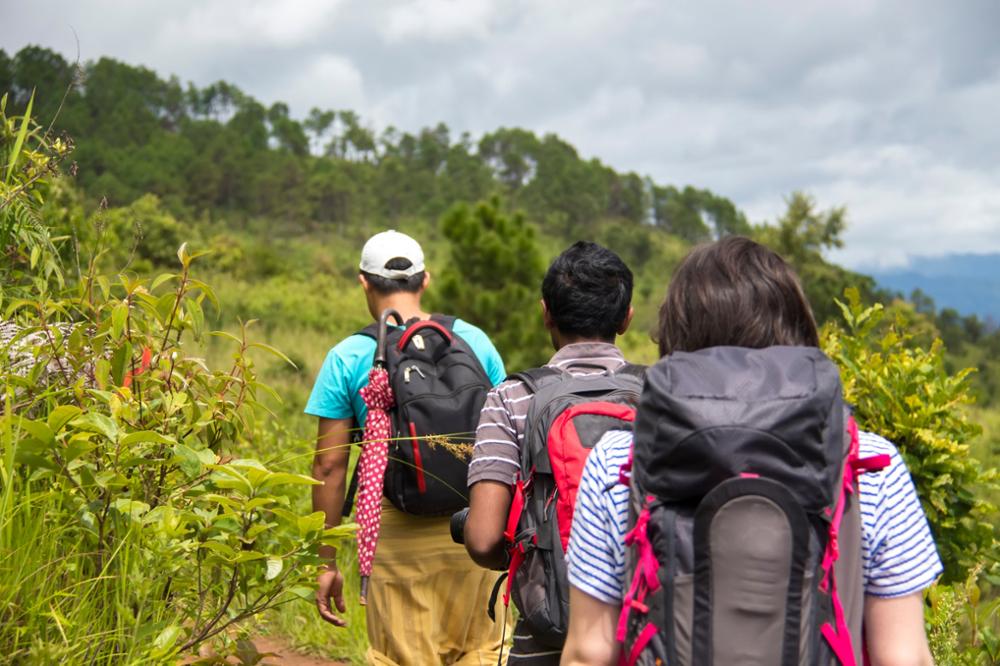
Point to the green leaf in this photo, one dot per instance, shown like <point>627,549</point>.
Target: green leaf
<point>220,548</point>
<point>99,423</point>
<point>120,361</point>
<point>258,502</point>
<point>132,508</point>
<point>39,430</point>
<point>76,447</point>
<point>61,415</point>
<point>15,152</point>
<point>247,463</point>
<point>205,289</point>
<point>311,523</point>
<point>189,461</point>
<point>119,315</point>
<point>227,477</point>
<point>145,436</point>
<point>227,334</point>
<point>197,318</point>
<point>249,556</point>
<point>102,373</point>
<point>334,536</point>
<point>163,644</point>
<point>256,530</point>
<point>182,255</point>
<point>160,279</point>
<point>272,350</point>
<point>164,306</point>
<point>287,479</point>
<point>302,592</point>
<point>274,567</point>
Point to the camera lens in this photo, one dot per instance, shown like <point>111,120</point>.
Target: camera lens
<point>458,525</point>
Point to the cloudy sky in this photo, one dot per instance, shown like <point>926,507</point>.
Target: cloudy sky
<point>891,108</point>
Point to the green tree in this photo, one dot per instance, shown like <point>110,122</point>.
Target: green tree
<point>801,236</point>
<point>493,278</point>
<point>696,215</point>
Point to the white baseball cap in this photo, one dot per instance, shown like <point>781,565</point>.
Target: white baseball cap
<point>388,245</point>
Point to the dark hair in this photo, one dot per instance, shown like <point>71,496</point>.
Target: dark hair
<point>734,292</point>
<point>587,291</point>
<point>386,286</point>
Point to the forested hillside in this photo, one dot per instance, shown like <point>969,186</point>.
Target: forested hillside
<point>258,186</point>
<point>131,165</point>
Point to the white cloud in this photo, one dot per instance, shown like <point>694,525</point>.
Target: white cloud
<point>328,82</point>
<point>433,20</point>
<point>888,108</point>
<point>226,23</point>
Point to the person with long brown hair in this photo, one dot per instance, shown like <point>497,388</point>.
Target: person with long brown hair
<point>738,293</point>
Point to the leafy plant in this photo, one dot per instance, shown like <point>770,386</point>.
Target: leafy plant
<point>114,443</point>
<point>29,160</point>
<point>964,625</point>
<point>905,394</point>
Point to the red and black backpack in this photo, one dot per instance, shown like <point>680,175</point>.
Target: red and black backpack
<point>744,541</point>
<point>439,387</point>
<point>567,417</point>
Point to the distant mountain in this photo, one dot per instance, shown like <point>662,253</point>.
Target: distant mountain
<point>969,283</point>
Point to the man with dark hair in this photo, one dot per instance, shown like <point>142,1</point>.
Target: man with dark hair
<point>586,303</point>
<point>413,614</point>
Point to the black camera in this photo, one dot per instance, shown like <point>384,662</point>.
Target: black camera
<point>458,525</point>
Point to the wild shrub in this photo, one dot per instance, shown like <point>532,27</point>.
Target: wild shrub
<point>128,532</point>
<point>900,388</point>
<point>904,393</point>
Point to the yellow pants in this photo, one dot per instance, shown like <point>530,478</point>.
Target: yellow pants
<point>427,600</point>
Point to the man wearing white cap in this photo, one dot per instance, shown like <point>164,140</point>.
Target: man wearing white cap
<point>427,600</point>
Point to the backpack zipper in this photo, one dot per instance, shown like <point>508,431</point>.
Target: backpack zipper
<point>410,369</point>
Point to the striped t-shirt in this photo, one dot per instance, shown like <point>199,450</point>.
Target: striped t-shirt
<point>496,456</point>
<point>899,554</point>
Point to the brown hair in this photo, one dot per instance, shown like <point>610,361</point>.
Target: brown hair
<point>734,292</point>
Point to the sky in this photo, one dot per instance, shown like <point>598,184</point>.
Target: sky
<point>889,108</point>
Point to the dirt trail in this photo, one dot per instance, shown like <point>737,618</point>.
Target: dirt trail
<point>279,654</point>
<point>285,656</point>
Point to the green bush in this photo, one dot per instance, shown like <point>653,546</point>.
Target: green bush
<point>114,445</point>
<point>904,393</point>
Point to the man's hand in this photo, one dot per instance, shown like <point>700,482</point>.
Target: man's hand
<point>331,585</point>
<point>330,467</point>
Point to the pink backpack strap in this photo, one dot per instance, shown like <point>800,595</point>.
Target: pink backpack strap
<point>839,635</point>
<point>646,578</point>
<point>515,549</point>
<point>625,471</point>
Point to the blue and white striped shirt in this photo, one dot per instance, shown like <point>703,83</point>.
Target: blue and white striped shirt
<point>898,550</point>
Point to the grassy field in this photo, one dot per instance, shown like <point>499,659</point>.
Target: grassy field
<point>304,314</point>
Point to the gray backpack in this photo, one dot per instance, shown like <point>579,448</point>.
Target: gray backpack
<point>567,417</point>
<point>744,542</point>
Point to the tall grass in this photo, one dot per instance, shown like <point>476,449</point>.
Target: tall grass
<point>56,605</point>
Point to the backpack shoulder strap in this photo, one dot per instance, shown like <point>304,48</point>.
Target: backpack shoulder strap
<point>448,321</point>
<point>535,378</point>
<point>633,370</point>
<point>369,331</point>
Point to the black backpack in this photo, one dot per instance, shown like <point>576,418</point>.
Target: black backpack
<point>567,417</point>
<point>744,542</point>
<point>440,387</point>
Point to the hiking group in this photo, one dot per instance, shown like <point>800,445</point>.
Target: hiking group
<point>719,507</point>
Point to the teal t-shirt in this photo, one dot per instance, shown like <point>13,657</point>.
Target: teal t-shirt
<point>337,391</point>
